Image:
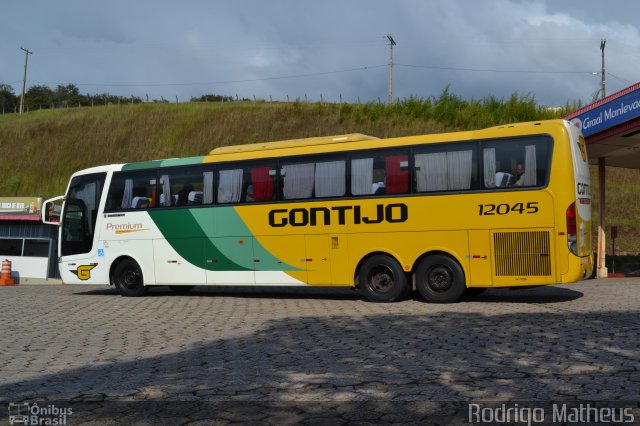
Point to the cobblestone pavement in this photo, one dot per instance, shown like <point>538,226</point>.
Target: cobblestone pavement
<point>315,356</point>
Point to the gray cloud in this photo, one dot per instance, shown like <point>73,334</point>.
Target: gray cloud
<point>162,48</point>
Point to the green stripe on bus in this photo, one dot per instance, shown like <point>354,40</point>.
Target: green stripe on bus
<point>185,228</point>
<point>227,220</point>
<point>182,222</point>
<point>163,163</point>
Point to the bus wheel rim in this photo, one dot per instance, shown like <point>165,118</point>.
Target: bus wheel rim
<point>381,278</point>
<point>130,278</point>
<point>440,278</point>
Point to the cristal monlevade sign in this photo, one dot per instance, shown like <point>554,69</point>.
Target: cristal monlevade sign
<point>610,114</point>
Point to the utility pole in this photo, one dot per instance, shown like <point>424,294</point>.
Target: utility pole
<point>604,85</point>
<point>392,43</point>
<point>24,79</point>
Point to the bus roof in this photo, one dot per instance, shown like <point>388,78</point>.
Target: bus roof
<point>292,143</point>
<point>331,144</point>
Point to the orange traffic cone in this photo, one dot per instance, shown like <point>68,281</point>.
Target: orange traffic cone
<point>6,279</point>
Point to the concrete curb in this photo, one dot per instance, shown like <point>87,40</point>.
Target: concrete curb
<point>38,281</point>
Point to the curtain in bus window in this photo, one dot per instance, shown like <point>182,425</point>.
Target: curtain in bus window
<point>530,166</point>
<point>361,176</point>
<point>330,178</point>
<point>489,155</point>
<point>431,172</point>
<point>397,174</point>
<point>459,169</point>
<point>207,189</point>
<point>262,183</point>
<point>127,196</point>
<point>230,186</point>
<point>298,180</point>
<point>165,197</point>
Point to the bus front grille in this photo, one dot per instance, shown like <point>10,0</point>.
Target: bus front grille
<point>522,253</point>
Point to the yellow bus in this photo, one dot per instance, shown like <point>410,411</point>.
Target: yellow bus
<point>442,214</point>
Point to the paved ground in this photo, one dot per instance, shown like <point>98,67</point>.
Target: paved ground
<point>312,355</point>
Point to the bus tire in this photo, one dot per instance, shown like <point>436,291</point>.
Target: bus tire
<point>181,289</point>
<point>440,279</point>
<point>127,277</point>
<point>382,279</point>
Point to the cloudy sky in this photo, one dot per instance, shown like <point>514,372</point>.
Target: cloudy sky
<point>333,48</point>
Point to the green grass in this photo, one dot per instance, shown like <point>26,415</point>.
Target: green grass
<point>41,149</point>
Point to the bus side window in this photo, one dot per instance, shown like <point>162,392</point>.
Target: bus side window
<point>446,167</point>
<point>381,174</point>
<point>320,179</point>
<point>261,185</point>
<point>132,191</point>
<point>185,186</point>
<point>247,184</point>
<point>515,163</point>
<point>297,180</point>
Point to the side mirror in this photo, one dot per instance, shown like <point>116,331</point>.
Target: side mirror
<point>51,210</point>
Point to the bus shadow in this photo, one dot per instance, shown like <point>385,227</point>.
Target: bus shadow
<point>250,292</point>
<point>545,294</point>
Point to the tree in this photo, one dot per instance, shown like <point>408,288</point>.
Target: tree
<point>8,99</point>
<point>69,95</point>
<point>212,98</point>
<point>39,96</point>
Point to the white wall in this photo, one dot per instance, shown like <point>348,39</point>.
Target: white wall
<point>27,267</point>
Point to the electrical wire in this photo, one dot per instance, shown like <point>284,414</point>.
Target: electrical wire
<point>620,78</point>
<point>205,83</point>
<point>435,67</point>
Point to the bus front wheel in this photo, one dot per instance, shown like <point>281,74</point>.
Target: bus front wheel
<point>382,279</point>
<point>440,279</point>
<point>127,277</point>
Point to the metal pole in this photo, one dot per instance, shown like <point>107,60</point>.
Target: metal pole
<point>391,44</point>
<point>24,78</point>
<point>613,256</point>
<point>602,267</point>
<point>604,85</point>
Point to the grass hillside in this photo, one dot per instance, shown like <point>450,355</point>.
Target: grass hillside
<point>41,149</point>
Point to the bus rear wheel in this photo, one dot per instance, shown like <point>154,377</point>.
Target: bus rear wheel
<point>382,279</point>
<point>127,277</point>
<point>440,279</point>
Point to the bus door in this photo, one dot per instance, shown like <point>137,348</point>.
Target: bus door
<point>83,263</point>
<point>326,259</point>
<point>480,258</point>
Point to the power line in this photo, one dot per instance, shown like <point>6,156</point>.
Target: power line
<point>436,67</point>
<point>620,78</point>
<point>204,83</point>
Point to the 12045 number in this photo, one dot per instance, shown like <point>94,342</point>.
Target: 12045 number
<point>502,209</point>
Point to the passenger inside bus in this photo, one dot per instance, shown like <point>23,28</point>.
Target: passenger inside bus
<point>518,175</point>
<point>183,194</point>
